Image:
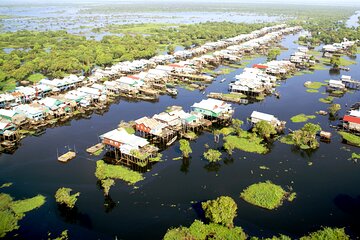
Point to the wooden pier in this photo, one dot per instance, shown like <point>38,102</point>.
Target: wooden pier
<point>352,84</point>
<point>95,148</point>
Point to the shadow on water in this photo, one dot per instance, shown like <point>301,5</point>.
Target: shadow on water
<point>109,204</point>
<point>199,211</point>
<point>350,206</point>
<point>73,216</point>
<point>212,167</point>
<point>185,165</point>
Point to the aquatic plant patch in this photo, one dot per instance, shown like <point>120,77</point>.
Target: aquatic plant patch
<point>302,118</point>
<point>104,170</point>
<point>264,194</point>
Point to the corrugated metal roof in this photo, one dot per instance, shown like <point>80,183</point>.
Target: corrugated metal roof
<point>352,119</point>
<point>262,116</point>
<point>124,137</point>
<point>150,123</point>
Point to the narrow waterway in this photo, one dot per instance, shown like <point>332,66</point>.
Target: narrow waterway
<point>327,191</point>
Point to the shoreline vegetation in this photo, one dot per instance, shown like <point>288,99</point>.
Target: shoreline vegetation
<point>55,54</point>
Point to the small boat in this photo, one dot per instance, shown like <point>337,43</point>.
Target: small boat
<point>223,80</point>
<point>70,154</point>
<point>172,91</point>
<point>67,156</point>
<point>203,92</point>
<point>171,141</point>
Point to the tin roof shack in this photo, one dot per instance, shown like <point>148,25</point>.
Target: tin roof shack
<point>51,103</point>
<point>301,59</point>
<point>352,122</point>
<point>214,110</point>
<point>259,116</point>
<point>112,87</point>
<point>155,130</point>
<point>189,121</point>
<point>6,126</point>
<point>7,100</point>
<point>42,90</point>
<point>29,93</point>
<point>338,47</point>
<point>128,147</point>
<point>13,116</point>
<point>336,85</point>
<point>93,93</point>
<point>64,84</point>
<point>7,114</point>
<point>32,113</point>
<point>172,121</point>
<point>253,82</point>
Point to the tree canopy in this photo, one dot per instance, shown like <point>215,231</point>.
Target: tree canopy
<point>222,210</point>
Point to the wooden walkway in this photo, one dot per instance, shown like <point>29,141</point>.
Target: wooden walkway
<point>351,84</point>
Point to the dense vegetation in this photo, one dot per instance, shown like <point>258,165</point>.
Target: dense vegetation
<point>264,194</point>
<point>304,138</point>
<point>221,210</point>
<point>248,142</point>
<point>11,212</point>
<point>221,213</point>
<point>57,53</point>
<point>63,196</point>
<point>212,155</point>
<point>327,233</point>
<point>264,129</point>
<point>201,231</point>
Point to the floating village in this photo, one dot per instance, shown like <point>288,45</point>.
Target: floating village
<point>134,119</point>
<point>31,109</point>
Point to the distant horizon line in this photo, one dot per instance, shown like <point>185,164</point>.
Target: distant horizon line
<point>347,3</point>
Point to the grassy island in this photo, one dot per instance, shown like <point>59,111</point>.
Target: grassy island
<point>104,171</point>
<point>265,194</point>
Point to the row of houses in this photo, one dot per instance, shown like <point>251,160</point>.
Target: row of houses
<point>158,74</point>
<point>138,66</point>
<point>330,49</point>
<point>58,97</point>
<point>162,128</point>
<point>261,78</point>
<point>302,58</point>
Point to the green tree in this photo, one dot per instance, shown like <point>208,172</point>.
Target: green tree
<point>171,49</point>
<point>273,53</point>
<point>63,196</point>
<point>107,184</point>
<point>229,147</point>
<point>335,61</point>
<point>221,210</point>
<point>305,138</point>
<point>212,155</point>
<point>185,148</point>
<point>334,108</point>
<point>353,49</point>
<point>264,129</point>
<point>236,124</point>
